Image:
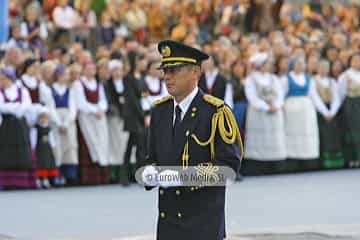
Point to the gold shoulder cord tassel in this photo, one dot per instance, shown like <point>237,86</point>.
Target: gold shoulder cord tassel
<point>224,120</point>
<point>185,156</point>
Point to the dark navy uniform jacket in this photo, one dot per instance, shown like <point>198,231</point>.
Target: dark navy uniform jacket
<point>191,213</point>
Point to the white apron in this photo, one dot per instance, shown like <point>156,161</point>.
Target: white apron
<point>95,133</point>
<point>301,127</point>
<point>66,148</point>
<point>118,139</point>
<point>265,135</point>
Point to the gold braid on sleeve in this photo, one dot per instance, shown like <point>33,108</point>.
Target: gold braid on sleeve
<point>223,120</point>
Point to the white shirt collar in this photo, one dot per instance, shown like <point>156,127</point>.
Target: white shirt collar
<point>212,73</point>
<point>185,103</point>
<point>60,88</point>
<point>153,83</point>
<point>12,92</point>
<point>299,78</point>
<point>210,77</point>
<point>119,85</point>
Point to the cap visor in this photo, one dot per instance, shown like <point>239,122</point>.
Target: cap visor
<point>172,65</point>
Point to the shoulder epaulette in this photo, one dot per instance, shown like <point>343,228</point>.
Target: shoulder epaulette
<point>162,100</point>
<point>213,100</point>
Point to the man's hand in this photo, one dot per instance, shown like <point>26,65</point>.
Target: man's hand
<point>169,178</point>
<point>149,176</point>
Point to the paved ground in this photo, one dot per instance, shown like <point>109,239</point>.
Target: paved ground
<point>325,202</point>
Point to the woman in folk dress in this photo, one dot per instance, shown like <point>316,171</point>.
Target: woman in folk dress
<point>17,168</point>
<point>42,118</point>
<point>331,155</point>
<point>349,90</point>
<point>265,140</point>
<point>66,148</point>
<point>301,127</point>
<point>93,129</point>
<point>118,136</point>
<point>155,86</point>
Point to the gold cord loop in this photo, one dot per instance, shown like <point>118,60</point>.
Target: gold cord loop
<point>229,132</point>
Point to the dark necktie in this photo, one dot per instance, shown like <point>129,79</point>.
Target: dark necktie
<point>177,119</point>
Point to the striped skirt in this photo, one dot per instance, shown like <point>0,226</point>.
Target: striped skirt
<point>17,161</point>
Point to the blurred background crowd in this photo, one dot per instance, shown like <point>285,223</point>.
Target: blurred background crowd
<point>78,77</point>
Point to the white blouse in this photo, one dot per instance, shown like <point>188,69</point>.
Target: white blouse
<point>25,32</point>
<point>210,77</point>
<point>65,17</point>
<point>153,84</point>
<point>45,97</point>
<point>343,81</point>
<point>266,80</point>
<point>119,86</point>
<point>18,109</point>
<point>327,82</point>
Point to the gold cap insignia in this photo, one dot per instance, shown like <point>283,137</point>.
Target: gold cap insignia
<point>165,51</point>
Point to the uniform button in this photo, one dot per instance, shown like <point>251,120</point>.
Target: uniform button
<point>192,188</point>
<point>177,192</point>
<point>162,215</point>
<point>179,215</point>
<point>161,192</point>
<point>187,133</point>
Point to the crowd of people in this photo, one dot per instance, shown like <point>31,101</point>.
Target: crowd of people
<point>78,79</point>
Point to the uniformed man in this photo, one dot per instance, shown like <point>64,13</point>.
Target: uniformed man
<point>189,128</point>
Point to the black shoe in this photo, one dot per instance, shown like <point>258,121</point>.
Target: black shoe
<point>125,182</point>
<point>239,177</point>
<point>125,176</point>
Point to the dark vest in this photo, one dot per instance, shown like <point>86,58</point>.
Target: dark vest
<point>61,101</point>
<point>115,98</point>
<point>218,88</point>
<point>34,93</point>
<point>36,40</point>
<point>18,98</point>
<point>91,96</point>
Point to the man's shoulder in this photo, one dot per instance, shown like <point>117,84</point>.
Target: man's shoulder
<point>161,103</point>
<point>208,102</point>
<point>212,101</point>
<point>162,100</point>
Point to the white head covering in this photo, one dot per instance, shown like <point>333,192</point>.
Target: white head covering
<point>258,59</point>
<point>114,64</point>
